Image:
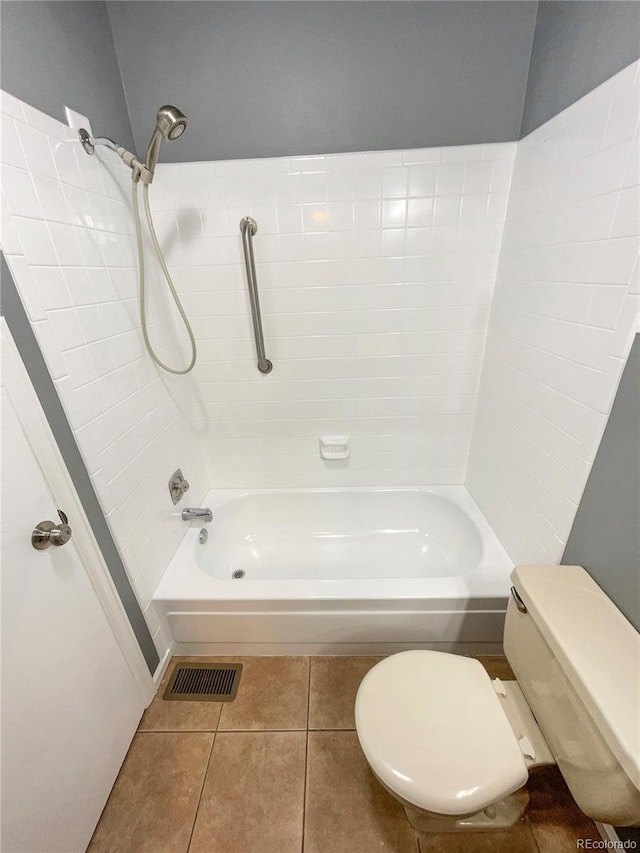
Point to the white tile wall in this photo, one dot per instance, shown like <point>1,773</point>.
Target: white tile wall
<point>67,233</point>
<point>375,272</point>
<point>564,314</point>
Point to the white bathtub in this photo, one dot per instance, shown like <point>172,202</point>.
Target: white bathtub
<point>331,571</point>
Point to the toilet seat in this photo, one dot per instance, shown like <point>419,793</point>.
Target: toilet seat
<point>433,730</point>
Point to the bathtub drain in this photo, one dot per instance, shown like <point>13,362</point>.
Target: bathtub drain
<point>237,574</point>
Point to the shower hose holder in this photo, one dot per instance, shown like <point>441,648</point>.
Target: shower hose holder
<point>138,169</point>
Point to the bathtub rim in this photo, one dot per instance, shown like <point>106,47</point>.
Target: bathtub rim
<point>488,580</point>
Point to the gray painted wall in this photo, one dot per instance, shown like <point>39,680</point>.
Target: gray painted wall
<point>272,78</point>
<point>12,309</point>
<point>577,46</point>
<point>605,537</point>
<point>56,54</point>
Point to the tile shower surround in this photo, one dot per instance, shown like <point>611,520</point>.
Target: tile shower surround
<point>376,275</point>
<point>67,232</point>
<point>565,311</point>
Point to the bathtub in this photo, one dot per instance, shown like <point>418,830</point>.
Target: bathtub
<point>332,571</point>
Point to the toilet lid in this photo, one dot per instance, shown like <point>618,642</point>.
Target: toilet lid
<point>434,732</point>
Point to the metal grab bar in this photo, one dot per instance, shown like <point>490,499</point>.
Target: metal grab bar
<point>248,227</point>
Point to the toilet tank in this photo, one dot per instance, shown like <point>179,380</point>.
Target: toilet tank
<point>577,660</point>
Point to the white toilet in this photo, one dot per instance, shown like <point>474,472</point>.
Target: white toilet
<point>455,747</point>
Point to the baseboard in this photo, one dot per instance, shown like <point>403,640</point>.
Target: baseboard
<point>332,648</point>
<point>162,667</point>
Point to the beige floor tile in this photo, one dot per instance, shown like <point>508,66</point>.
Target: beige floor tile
<point>518,839</point>
<point>347,810</point>
<point>497,666</point>
<point>167,716</point>
<point>334,684</point>
<point>253,796</point>
<point>153,803</point>
<point>556,821</point>
<point>273,694</point>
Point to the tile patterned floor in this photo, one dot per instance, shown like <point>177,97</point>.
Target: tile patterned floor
<point>279,770</point>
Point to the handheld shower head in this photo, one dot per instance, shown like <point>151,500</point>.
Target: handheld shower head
<point>170,124</point>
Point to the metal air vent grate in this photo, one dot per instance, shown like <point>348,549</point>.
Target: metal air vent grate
<point>204,682</point>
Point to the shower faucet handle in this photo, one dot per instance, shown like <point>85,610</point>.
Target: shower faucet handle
<point>178,485</point>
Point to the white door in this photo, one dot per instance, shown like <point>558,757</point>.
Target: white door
<point>71,699</point>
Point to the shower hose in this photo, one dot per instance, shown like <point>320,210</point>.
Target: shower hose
<point>167,275</point>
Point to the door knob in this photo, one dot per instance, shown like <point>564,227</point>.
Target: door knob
<point>48,533</point>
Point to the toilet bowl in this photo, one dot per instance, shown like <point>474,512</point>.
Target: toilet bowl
<point>436,734</point>
<point>455,747</point>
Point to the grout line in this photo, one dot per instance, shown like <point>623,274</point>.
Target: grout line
<point>204,779</point>
<point>532,836</point>
<point>255,731</point>
<point>306,758</point>
<point>176,731</point>
<point>326,729</point>
<point>553,320</point>
<point>309,658</point>
<point>304,793</point>
<point>240,731</point>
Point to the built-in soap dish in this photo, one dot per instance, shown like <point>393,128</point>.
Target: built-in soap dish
<point>334,446</point>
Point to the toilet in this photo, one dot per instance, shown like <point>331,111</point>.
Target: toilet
<point>455,747</point>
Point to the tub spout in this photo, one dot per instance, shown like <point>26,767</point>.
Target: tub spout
<point>195,512</point>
